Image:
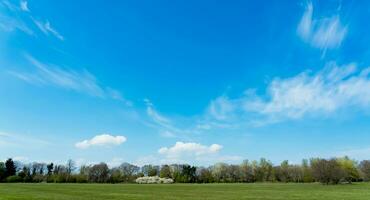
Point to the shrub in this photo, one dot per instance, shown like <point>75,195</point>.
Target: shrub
<point>81,178</point>
<point>38,178</point>
<point>14,179</point>
<point>153,180</point>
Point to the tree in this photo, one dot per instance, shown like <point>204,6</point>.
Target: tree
<point>150,170</point>
<point>188,174</point>
<point>327,171</point>
<point>205,175</point>
<point>99,173</point>
<point>50,168</point>
<point>365,169</point>
<point>284,171</point>
<point>70,166</point>
<point>233,174</point>
<point>349,168</point>
<point>246,172</point>
<point>116,176</point>
<point>37,168</point>
<point>307,171</point>
<point>262,170</point>
<point>2,171</point>
<point>128,171</point>
<point>219,172</point>
<point>26,174</point>
<point>10,168</point>
<point>165,171</point>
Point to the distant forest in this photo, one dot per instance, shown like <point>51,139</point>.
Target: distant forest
<point>326,171</point>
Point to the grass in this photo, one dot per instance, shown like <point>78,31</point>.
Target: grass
<point>265,191</point>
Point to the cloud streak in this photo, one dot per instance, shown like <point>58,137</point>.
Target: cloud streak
<point>324,33</point>
<point>15,20</point>
<point>20,140</point>
<point>10,23</point>
<point>46,28</point>
<point>83,82</point>
<point>24,6</point>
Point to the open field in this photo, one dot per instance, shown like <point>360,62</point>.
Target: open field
<point>185,191</point>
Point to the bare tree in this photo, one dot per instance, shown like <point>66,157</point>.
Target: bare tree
<point>70,166</point>
<point>99,173</point>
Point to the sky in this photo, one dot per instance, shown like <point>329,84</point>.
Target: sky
<point>195,82</point>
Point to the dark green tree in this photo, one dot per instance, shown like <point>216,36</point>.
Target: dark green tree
<point>10,168</point>
<point>2,171</point>
<point>50,168</point>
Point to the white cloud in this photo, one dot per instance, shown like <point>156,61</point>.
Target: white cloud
<point>46,28</point>
<point>24,6</point>
<point>101,140</point>
<point>324,33</point>
<point>83,82</point>
<point>190,153</point>
<point>193,149</point>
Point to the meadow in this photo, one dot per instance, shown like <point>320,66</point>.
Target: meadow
<point>266,191</point>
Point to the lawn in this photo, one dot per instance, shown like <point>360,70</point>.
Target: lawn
<point>185,191</point>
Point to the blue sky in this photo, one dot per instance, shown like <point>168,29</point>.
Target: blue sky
<point>183,81</point>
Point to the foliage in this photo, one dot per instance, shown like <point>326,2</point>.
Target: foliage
<point>13,179</point>
<point>327,171</point>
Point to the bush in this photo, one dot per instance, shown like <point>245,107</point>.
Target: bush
<point>81,178</point>
<point>153,179</point>
<point>14,179</point>
<point>38,178</point>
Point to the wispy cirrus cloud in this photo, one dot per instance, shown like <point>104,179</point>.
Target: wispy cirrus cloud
<point>327,91</point>
<point>217,116</point>
<point>10,24</point>
<point>166,126</point>
<point>47,29</point>
<point>20,140</point>
<point>15,20</point>
<point>79,81</point>
<point>101,140</point>
<point>318,94</point>
<point>24,6</point>
<point>8,5</point>
<point>324,33</point>
<point>10,20</point>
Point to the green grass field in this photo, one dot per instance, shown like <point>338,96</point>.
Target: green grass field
<point>185,191</point>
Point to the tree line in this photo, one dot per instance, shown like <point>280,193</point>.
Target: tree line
<point>326,171</point>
